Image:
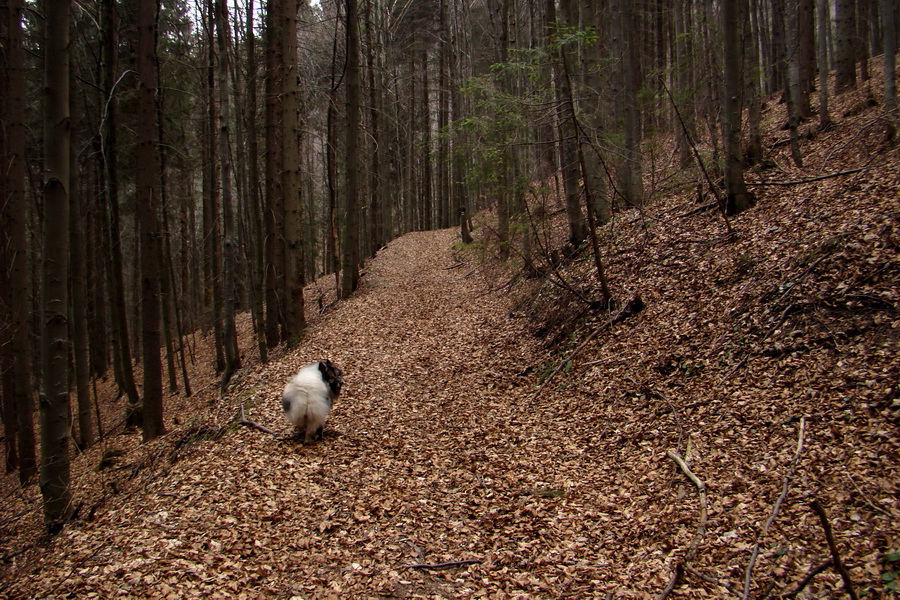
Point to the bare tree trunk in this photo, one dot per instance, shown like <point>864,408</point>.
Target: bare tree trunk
<point>824,20</point>
<point>889,27</point>
<point>688,131</point>
<point>254,212</point>
<point>18,418</point>
<point>211,208</point>
<point>293,201</point>
<point>110,221</point>
<point>331,144</point>
<point>274,267</point>
<point>754,87</point>
<point>443,154</point>
<point>806,55</point>
<point>376,196</point>
<point>79,330</point>
<point>147,184</point>
<point>565,120</point>
<point>845,38</point>
<point>786,22</point>
<point>54,480</point>
<point>350,245</point>
<point>738,198</point>
<point>232,355</point>
<point>625,46</point>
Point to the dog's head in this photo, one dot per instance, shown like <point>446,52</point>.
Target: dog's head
<point>332,376</point>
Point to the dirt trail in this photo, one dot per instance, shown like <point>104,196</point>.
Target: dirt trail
<point>428,458</point>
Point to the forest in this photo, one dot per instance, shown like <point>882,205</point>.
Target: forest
<point>616,220</point>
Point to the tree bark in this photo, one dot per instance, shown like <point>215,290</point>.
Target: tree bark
<point>889,27</point>
<point>350,244</point>
<point>54,402</point>
<point>110,221</point>
<point>845,45</point>
<point>147,184</point>
<point>254,211</point>
<point>79,330</point>
<point>293,201</point>
<point>824,20</point>
<point>738,198</point>
<point>273,213</point>
<point>19,418</point>
<point>229,330</point>
<point>565,116</point>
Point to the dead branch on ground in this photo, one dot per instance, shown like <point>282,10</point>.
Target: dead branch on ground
<point>245,421</point>
<point>832,546</point>
<point>701,526</point>
<point>445,565</point>
<point>784,491</point>
<point>808,179</point>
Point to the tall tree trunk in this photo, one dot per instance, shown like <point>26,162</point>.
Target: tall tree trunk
<point>565,121</point>
<point>376,197</point>
<point>19,418</point>
<point>754,87</point>
<point>273,213</point>
<point>254,212</point>
<point>293,201</point>
<point>54,480</point>
<point>79,329</point>
<point>232,355</point>
<point>889,27</point>
<point>786,21</point>
<point>845,46</point>
<point>110,220</point>
<point>350,245</point>
<point>213,298</point>
<point>824,20</point>
<point>738,198</point>
<point>625,46</point>
<point>443,154</point>
<point>147,184</point>
<point>806,55</point>
<point>331,144</point>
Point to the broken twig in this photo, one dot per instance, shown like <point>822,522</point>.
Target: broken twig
<point>701,526</point>
<point>835,556</point>
<point>808,179</point>
<point>784,491</point>
<point>251,424</point>
<point>446,565</point>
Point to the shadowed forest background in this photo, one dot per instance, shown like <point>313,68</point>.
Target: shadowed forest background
<point>193,193</point>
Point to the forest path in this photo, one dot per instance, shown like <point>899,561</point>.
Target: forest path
<point>433,454</point>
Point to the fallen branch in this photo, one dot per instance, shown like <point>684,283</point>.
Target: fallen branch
<point>835,556</point>
<point>245,421</point>
<point>701,526</point>
<point>446,565</point>
<point>632,307</point>
<point>676,576</point>
<point>711,579</point>
<point>784,491</point>
<point>808,180</point>
<point>809,577</point>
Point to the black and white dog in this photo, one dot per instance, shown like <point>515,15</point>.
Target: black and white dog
<point>308,397</point>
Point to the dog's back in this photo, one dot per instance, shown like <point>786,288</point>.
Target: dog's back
<point>307,401</point>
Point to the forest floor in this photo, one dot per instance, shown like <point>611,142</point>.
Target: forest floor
<point>470,458</point>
